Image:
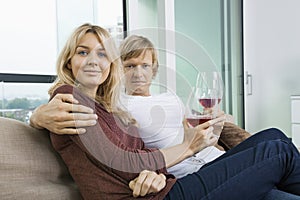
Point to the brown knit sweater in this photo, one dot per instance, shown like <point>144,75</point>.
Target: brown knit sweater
<point>109,155</point>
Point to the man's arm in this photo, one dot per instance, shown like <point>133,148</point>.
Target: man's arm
<point>63,115</point>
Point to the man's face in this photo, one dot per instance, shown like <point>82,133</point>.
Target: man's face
<point>138,74</point>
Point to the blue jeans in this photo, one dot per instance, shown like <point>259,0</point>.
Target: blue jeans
<point>280,195</point>
<point>251,170</point>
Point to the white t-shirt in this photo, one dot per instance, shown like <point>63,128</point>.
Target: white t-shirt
<point>160,125</point>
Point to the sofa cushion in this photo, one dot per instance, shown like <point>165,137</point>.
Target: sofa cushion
<point>29,167</point>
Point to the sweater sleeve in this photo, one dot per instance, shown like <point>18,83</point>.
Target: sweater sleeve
<point>104,159</point>
<point>107,143</point>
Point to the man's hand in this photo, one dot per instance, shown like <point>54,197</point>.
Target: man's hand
<point>147,182</point>
<point>63,115</point>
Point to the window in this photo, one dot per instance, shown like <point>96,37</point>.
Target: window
<point>17,102</point>
<point>28,36</point>
<point>32,34</point>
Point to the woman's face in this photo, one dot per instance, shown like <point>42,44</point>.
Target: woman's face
<point>138,74</point>
<point>90,65</point>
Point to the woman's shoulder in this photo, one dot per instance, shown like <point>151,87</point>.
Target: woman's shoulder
<point>77,94</point>
<point>64,89</point>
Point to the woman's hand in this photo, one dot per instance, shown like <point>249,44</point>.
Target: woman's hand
<point>195,139</point>
<point>63,115</point>
<point>218,127</point>
<point>199,137</point>
<point>147,182</point>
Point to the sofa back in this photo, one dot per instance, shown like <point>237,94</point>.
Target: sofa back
<point>29,167</point>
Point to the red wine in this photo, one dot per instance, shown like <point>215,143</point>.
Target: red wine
<point>208,103</point>
<point>196,121</point>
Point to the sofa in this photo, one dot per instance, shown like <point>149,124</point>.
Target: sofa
<point>30,169</point>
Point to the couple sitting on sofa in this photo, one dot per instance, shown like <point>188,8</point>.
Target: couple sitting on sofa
<point>164,110</point>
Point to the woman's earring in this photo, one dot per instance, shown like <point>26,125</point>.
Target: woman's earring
<point>69,65</point>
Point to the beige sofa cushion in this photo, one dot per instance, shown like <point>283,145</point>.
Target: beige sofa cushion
<point>29,167</point>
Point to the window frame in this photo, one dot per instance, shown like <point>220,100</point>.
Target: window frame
<point>26,78</point>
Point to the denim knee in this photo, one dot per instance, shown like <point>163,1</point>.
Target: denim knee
<point>275,133</point>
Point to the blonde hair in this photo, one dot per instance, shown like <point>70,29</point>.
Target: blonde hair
<point>134,46</point>
<point>108,92</point>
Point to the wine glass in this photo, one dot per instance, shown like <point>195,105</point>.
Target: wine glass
<point>204,98</point>
<point>195,112</point>
<point>209,89</point>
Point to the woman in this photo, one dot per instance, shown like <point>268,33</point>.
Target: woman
<point>105,159</point>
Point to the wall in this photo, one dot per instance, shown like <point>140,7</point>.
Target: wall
<point>271,34</point>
